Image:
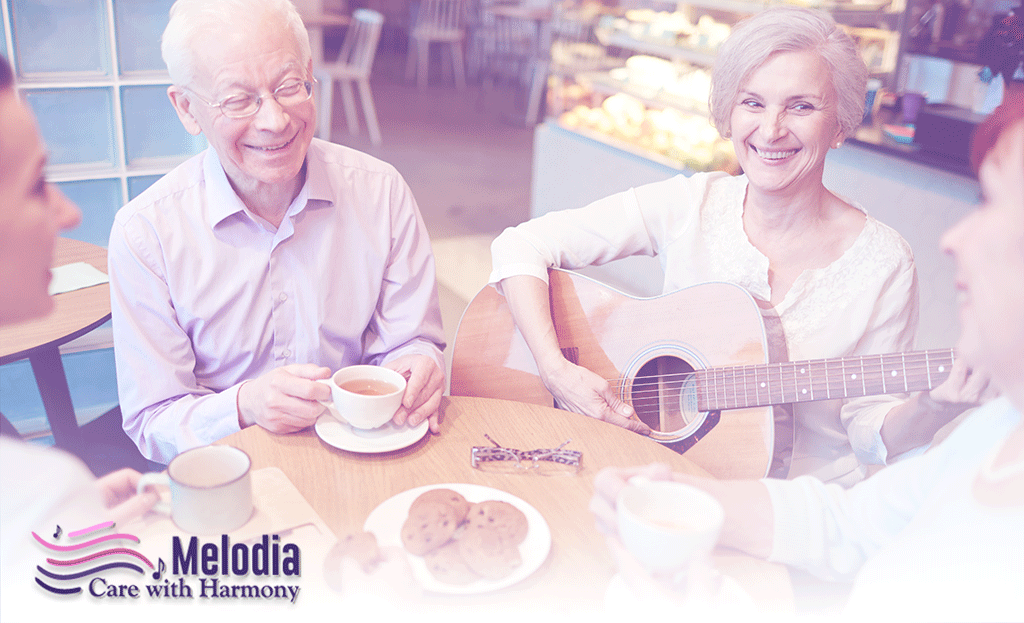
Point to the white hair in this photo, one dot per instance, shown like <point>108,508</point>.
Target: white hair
<point>193,20</point>
<point>789,29</point>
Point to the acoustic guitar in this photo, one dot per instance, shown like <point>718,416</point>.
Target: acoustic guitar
<point>680,360</point>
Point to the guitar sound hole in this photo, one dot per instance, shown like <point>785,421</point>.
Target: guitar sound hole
<point>663,394</point>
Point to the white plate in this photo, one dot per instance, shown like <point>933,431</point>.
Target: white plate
<point>385,522</point>
<point>340,434</point>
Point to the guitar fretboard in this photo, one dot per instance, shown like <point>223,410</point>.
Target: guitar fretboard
<point>763,385</point>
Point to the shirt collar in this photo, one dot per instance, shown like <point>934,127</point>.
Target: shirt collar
<point>318,181</point>
<point>223,202</point>
<point>221,199</point>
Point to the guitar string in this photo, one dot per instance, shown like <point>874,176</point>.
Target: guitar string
<point>719,383</point>
<point>719,378</point>
<point>914,364</point>
<point>775,385</point>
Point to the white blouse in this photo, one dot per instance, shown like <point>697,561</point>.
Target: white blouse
<point>865,302</point>
<point>914,539</point>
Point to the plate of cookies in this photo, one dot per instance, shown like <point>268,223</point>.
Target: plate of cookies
<point>462,538</point>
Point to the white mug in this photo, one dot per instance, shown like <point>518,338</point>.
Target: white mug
<point>668,526</point>
<point>366,397</point>
<point>211,489</point>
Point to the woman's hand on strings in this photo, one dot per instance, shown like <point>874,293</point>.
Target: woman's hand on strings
<point>577,389</point>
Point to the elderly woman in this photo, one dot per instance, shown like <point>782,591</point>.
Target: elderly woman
<point>831,281</point>
<point>939,537</point>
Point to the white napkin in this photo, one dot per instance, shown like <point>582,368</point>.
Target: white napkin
<point>75,276</point>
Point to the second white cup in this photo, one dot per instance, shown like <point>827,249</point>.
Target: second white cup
<point>668,526</point>
<point>211,489</point>
<point>365,396</point>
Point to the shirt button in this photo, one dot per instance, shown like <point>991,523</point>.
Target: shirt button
<point>286,353</point>
<point>283,297</point>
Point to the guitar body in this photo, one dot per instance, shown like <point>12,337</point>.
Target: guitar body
<point>644,343</point>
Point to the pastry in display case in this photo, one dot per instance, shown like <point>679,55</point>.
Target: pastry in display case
<point>686,139</point>
<point>652,94</point>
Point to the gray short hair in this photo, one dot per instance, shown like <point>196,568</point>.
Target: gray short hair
<point>789,29</point>
<point>191,20</point>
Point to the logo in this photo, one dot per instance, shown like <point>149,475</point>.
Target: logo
<point>211,571</point>
<point>72,566</point>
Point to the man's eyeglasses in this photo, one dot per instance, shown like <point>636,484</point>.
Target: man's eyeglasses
<point>241,105</point>
<point>545,461</point>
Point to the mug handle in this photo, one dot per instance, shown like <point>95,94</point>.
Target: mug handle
<point>154,479</point>
<point>329,403</point>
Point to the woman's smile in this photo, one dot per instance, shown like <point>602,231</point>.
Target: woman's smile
<point>784,122</point>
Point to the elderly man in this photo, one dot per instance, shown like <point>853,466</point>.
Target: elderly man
<point>267,261</point>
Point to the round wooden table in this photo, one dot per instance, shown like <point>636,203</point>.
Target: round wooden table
<point>344,487</point>
<point>75,314</point>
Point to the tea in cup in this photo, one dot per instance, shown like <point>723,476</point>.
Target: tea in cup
<point>668,526</point>
<point>211,489</point>
<point>366,397</point>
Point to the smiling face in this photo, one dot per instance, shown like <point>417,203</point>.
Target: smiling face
<point>988,246</point>
<point>784,122</point>
<point>265,151</point>
<point>31,213</point>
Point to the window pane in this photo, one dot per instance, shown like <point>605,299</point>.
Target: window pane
<point>153,134</point>
<point>99,201</point>
<point>140,23</point>
<point>61,37</point>
<point>91,381</point>
<point>20,401</point>
<point>138,184</point>
<point>77,125</point>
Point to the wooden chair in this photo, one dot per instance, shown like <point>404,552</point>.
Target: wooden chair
<point>438,21</point>
<point>353,66</point>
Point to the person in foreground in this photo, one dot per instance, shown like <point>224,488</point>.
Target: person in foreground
<point>41,487</point>
<point>830,280</point>
<point>267,261</point>
<point>939,536</point>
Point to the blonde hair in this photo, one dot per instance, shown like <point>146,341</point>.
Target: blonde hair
<point>192,20</point>
<point>788,29</point>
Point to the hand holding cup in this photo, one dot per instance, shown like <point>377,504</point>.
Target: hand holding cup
<point>668,526</point>
<point>365,396</point>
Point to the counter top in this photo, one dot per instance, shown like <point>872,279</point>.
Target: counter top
<point>870,135</point>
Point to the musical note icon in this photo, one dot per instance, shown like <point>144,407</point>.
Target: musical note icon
<point>56,534</point>
<point>161,567</point>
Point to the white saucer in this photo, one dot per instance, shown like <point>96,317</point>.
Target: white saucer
<point>340,434</point>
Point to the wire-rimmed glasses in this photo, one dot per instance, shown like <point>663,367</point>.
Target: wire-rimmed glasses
<point>290,93</point>
<point>545,461</point>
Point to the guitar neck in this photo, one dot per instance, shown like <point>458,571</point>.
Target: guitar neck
<point>764,385</point>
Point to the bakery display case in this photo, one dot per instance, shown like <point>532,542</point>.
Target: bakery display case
<point>644,88</point>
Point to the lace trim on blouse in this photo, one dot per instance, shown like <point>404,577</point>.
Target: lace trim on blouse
<point>817,293</point>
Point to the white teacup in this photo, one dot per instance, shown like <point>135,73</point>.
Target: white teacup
<point>668,526</point>
<point>211,489</point>
<point>366,397</point>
